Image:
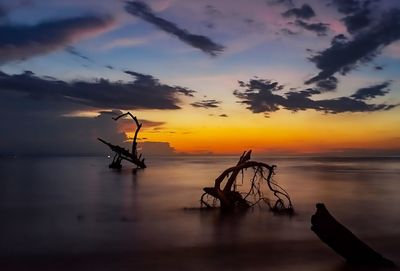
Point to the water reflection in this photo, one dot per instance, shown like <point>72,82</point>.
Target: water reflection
<point>81,207</point>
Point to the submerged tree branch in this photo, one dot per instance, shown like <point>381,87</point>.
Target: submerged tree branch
<point>124,154</point>
<point>228,196</point>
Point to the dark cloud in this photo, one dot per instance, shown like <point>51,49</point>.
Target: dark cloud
<point>346,55</point>
<point>327,84</point>
<point>73,51</point>
<point>358,13</point>
<point>304,12</point>
<point>263,100</point>
<point>203,43</point>
<point>24,41</point>
<point>347,6</point>
<point>357,21</point>
<point>372,91</point>
<point>148,80</point>
<point>261,84</point>
<point>320,29</point>
<point>144,92</point>
<point>206,104</point>
<point>339,40</point>
<point>257,92</point>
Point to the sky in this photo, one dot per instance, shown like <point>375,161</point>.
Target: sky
<point>280,77</point>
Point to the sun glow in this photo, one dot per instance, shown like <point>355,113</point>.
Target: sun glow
<point>282,133</point>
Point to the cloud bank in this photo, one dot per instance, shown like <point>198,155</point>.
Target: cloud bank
<point>32,133</point>
<point>37,112</point>
<point>144,92</point>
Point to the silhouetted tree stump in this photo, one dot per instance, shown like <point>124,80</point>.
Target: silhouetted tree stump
<point>124,154</point>
<point>343,241</point>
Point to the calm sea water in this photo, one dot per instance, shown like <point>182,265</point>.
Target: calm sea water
<point>76,214</point>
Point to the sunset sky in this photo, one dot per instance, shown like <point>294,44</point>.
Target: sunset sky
<point>281,77</point>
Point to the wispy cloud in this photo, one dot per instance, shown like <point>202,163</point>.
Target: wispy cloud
<point>206,104</point>
<point>203,43</point>
<point>73,51</point>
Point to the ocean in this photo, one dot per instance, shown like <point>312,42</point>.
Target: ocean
<point>74,213</point>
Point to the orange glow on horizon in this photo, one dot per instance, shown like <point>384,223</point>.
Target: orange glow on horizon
<point>283,133</point>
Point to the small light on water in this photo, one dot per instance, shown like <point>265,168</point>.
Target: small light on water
<point>108,156</point>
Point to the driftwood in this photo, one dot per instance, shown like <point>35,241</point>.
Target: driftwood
<point>229,198</point>
<point>124,154</point>
<point>343,241</point>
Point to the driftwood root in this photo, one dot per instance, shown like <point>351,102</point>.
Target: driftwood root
<point>343,241</point>
<point>229,198</point>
